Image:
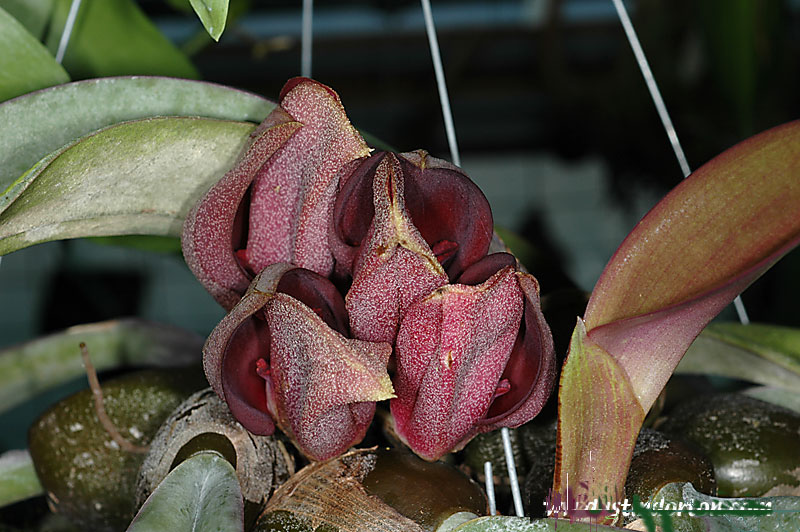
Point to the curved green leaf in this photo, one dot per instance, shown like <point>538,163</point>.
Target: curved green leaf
<point>39,123</point>
<point>114,38</point>
<point>201,494</point>
<point>18,480</point>
<point>698,248</point>
<point>599,418</point>
<point>787,398</point>
<point>25,65</point>
<point>32,14</point>
<point>704,243</point>
<point>764,354</point>
<point>138,177</point>
<point>213,14</point>
<point>33,367</point>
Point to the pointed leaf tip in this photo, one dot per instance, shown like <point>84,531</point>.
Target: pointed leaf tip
<point>698,248</point>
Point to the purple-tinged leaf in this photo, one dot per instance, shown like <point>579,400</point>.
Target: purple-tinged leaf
<point>599,419</point>
<point>704,243</point>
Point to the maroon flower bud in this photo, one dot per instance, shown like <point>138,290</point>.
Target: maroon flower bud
<point>471,359</point>
<point>401,225</point>
<point>450,212</point>
<point>281,355</point>
<point>274,205</point>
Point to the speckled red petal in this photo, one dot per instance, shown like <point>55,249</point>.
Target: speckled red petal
<point>229,359</point>
<point>451,351</point>
<point>531,369</point>
<point>395,266</point>
<point>325,385</point>
<point>448,209</point>
<point>212,228</point>
<point>292,195</point>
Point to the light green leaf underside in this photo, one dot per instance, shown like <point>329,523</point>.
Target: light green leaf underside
<point>40,123</point>
<point>33,367</point>
<point>32,14</point>
<point>778,396</point>
<point>18,480</point>
<point>764,354</point>
<point>213,14</point>
<point>138,177</point>
<point>202,494</point>
<point>25,65</point>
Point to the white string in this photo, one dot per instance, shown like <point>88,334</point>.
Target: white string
<point>68,27</point>
<point>655,94</point>
<point>512,471</point>
<point>441,83</point>
<point>489,483</point>
<point>307,37</point>
<point>651,85</point>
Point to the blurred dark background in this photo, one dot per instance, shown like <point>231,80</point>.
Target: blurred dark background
<point>552,117</point>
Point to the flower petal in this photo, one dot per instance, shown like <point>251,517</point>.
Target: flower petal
<point>325,385</point>
<point>452,349</point>
<point>212,231</point>
<point>448,209</point>
<point>293,193</point>
<point>395,266</point>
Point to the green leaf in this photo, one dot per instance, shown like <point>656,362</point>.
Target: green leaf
<point>33,367</point>
<point>138,177</point>
<point>25,65</point>
<point>704,243</point>
<point>599,418</point>
<point>764,354</point>
<point>39,123</point>
<point>114,38</point>
<point>699,247</point>
<point>34,15</point>
<point>213,14</point>
<point>778,396</point>
<point>201,494</point>
<point>18,480</point>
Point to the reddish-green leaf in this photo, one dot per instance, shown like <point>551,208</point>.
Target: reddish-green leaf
<point>598,421</point>
<point>704,243</point>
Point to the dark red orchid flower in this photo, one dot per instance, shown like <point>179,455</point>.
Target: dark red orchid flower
<point>274,205</point>
<point>282,357</point>
<point>472,358</point>
<point>402,226</point>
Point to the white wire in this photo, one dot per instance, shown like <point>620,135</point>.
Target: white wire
<point>307,38</point>
<point>652,86</point>
<point>489,483</point>
<point>512,471</point>
<point>68,27</point>
<point>441,83</point>
<point>655,94</point>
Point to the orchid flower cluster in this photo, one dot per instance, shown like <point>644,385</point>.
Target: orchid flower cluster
<point>352,277</point>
